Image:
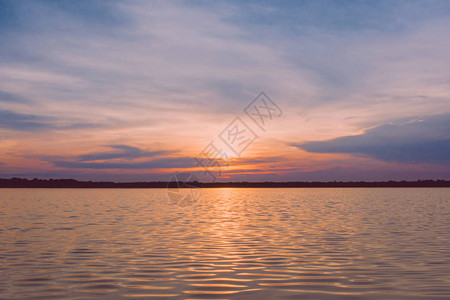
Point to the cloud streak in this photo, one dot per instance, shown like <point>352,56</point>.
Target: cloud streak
<point>162,163</point>
<point>122,157</point>
<point>124,152</point>
<point>12,98</point>
<point>418,141</point>
<point>30,122</point>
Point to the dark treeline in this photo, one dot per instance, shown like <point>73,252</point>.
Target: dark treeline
<point>72,183</point>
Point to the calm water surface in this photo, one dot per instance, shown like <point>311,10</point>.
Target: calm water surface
<point>235,243</point>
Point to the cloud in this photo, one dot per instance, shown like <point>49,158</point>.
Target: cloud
<point>182,56</point>
<point>125,152</point>
<point>161,163</point>
<point>259,160</point>
<point>125,157</point>
<point>30,122</point>
<point>17,15</point>
<point>12,98</point>
<point>20,121</point>
<point>156,53</point>
<point>423,140</point>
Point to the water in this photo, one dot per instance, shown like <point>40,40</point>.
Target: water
<point>234,244</point>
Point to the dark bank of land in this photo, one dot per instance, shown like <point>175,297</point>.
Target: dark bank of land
<point>72,183</point>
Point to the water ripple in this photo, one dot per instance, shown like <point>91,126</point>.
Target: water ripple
<point>235,244</point>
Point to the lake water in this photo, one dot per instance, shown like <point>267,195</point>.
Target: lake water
<point>233,244</point>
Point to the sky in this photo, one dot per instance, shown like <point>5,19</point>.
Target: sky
<point>142,90</point>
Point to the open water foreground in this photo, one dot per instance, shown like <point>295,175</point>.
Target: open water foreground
<point>291,243</point>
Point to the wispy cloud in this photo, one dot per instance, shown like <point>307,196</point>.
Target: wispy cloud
<point>29,122</point>
<point>121,157</point>
<point>161,163</point>
<point>124,152</point>
<point>12,98</point>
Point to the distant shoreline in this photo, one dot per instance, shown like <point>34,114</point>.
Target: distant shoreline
<point>72,183</point>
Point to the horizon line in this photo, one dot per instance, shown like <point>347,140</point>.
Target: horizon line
<point>17,182</point>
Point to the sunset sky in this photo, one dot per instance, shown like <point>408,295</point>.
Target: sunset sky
<point>135,90</point>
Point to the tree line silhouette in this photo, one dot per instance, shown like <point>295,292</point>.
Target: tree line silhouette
<point>72,183</point>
